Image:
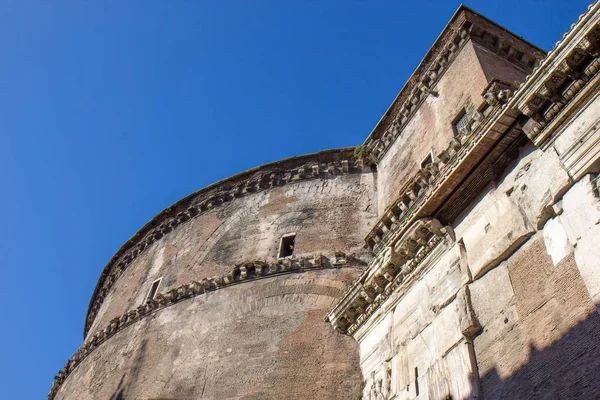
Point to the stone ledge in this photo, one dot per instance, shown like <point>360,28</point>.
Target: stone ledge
<point>323,165</point>
<point>465,25</point>
<point>241,273</point>
<point>430,184</point>
<point>389,270</point>
<point>568,68</point>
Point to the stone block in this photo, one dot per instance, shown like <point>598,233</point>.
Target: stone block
<point>581,209</point>
<point>556,240</point>
<point>499,229</point>
<point>467,320</point>
<point>491,294</point>
<point>587,257</point>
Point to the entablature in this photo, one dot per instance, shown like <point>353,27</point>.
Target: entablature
<point>323,165</point>
<point>429,188</point>
<point>465,25</point>
<point>569,67</point>
<point>392,268</point>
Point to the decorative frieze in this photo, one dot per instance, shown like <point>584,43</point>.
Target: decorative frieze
<point>243,272</point>
<point>424,80</point>
<point>566,71</point>
<point>390,269</point>
<point>431,176</point>
<point>323,165</point>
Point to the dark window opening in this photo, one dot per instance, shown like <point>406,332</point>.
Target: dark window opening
<point>286,247</point>
<point>428,160</point>
<point>460,122</point>
<point>153,289</point>
<point>417,381</point>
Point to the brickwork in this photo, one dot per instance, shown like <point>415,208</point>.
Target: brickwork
<point>472,275</point>
<point>542,344</point>
<point>326,215</point>
<point>432,124</point>
<point>259,340</point>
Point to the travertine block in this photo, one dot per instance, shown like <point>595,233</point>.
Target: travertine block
<point>496,233</point>
<point>587,257</point>
<point>557,243</point>
<point>581,209</point>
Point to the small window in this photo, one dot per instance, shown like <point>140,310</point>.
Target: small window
<point>460,122</point>
<point>286,246</point>
<point>427,160</point>
<point>153,289</point>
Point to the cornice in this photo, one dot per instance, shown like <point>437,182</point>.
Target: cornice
<point>323,165</point>
<point>392,268</point>
<point>565,72</point>
<point>465,25</point>
<point>432,184</point>
<point>241,273</point>
<point>407,232</point>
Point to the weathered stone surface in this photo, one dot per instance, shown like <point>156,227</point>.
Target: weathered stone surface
<point>580,209</point>
<point>258,340</point>
<point>498,230</point>
<point>326,215</point>
<point>578,143</point>
<point>538,182</point>
<point>419,328</point>
<point>587,256</point>
<point>557,243</point>
<point>549,305</point>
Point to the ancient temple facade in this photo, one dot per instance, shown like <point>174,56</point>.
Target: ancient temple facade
<point>453,255</point>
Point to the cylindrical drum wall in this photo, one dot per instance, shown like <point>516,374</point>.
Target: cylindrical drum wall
<point>252,325</point>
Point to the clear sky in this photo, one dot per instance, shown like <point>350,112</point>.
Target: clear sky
<point>112,110</point>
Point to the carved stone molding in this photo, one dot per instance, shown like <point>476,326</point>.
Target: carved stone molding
<point>485,124</point>
<point>244,272</point>
<point>567,70</point>
<point>322,165</point>
<point>465,26</point>
<point>390,269</point>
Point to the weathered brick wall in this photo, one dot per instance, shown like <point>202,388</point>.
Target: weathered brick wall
<point>327,215</point>
<point>431,126</point>
<point>540,328</point>
<point>264,339</point>
<point>496,67</point>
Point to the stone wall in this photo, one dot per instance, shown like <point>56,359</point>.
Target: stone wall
<point>509,300</point>
<point>431,124</point>
<point>539,328</point>
<point>327,215</point>
<point>264,339</point>
<point>414,345</point>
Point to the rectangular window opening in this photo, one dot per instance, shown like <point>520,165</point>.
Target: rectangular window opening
<point>286,246</point>
<point>461,122</point>
<point>153,289</point>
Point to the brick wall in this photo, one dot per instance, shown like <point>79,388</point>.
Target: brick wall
<point>540,338</point>
<point>327,215</point>
<point>264,339</point>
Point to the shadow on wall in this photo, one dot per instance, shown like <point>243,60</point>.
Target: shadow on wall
<point>140,357</point>
<point>119,393</point>
<point>567,369</point>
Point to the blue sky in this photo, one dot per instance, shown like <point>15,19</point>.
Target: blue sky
<point>112,110</point>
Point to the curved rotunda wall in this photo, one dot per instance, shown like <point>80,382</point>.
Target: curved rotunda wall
<point>254,334</point>
<point>263,339</point>
<point>325,214</point>
<point>329,213</point>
